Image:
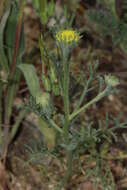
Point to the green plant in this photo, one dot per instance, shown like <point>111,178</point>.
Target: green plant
<point>11,54</point>
<point>42,102</point>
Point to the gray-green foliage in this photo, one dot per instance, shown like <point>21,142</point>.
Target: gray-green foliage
<point>87,137</point>
<point>106,181</point>
<point>37,108</point>
<point>108,24</point>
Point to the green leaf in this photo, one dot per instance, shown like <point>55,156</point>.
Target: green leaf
<point>3,59</point>
<point>12,91</point>
<point>31,78</point>
<point>48,133</point>
<point>51,8</point>
<point>10,34</point>
<point>36,4</point>
<point>43,5</point>
<point>43,11</point>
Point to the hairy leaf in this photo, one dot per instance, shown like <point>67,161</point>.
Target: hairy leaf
<point>31,78</point>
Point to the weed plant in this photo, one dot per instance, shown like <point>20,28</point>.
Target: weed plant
<point>71,137</point>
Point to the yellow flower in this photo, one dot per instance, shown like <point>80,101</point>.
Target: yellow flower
<point>67,36</point>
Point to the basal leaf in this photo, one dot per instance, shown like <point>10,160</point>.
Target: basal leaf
<point>31,78</point>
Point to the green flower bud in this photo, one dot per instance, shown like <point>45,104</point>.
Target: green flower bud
<point>44,100</point>
<point>111,80</point>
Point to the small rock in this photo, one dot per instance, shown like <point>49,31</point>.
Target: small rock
<point>86,186</point>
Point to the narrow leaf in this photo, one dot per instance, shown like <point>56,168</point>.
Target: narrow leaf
<point>3,59</point>
<point>12,91</point>
<point>10,34</point>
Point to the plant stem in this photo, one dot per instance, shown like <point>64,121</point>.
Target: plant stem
<point>68,172</point>
<point>69,166</point>
<point>79,103</point>
<point>66,100</point>
<point>66,122</point>
<point>55,126</point>
<point>83,108</point>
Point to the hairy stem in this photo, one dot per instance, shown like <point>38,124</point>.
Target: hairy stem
<point>67,122</point>
<point>66,101</point>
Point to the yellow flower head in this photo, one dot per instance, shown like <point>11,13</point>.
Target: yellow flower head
<point>67,36</point>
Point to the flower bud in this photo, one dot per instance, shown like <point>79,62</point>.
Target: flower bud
<point>111,80</point>
<point>44,100</point>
